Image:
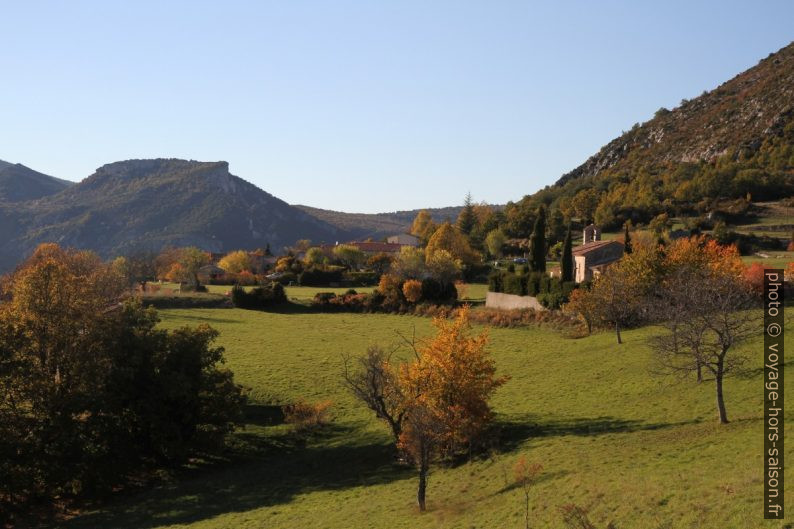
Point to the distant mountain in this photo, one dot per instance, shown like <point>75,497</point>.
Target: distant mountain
<point>378,225</point>
<point>728,143</point>
<point>19,183</point>
<point>150,204</point>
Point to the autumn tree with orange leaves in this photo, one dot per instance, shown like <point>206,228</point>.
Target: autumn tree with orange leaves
<point>443,394</point>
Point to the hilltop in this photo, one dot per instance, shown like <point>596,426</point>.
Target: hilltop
<point>19,183</point>
<point>149,204</point>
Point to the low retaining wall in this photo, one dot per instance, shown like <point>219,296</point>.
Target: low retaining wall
<point>498,300</point>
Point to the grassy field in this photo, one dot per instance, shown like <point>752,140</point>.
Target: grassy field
<point>641,450</point>
<point>474,291</point>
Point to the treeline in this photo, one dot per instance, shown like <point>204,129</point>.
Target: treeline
<point>91,390</point>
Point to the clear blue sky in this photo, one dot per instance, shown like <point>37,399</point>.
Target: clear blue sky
<point>361,106</point>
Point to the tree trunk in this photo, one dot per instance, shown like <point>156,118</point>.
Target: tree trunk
<point>700,371</point>
<point>720,397</point>
<point>420,493</point>
<point>617,331</point>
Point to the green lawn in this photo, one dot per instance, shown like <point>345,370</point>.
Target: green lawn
<point>641,450</point>
<point>775,259</point>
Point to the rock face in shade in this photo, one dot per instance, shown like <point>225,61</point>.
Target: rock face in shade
<point>149,204</point>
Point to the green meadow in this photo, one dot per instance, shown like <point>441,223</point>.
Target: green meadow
<point>642,450</point>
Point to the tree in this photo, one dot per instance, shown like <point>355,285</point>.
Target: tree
<point>566,261</point>
<point>447,389</point>
<point>626,239</point>
<point>583,304</point>
<point>467,219</point>
<point>423,226</point>
<point>584,204</point>
<point>349,255</point>
<point>236,262</point>
<point>526,476</point>
<point>494,242</point>
<point>442,266</point>
<point>453,241</point>
<point>615,299</point>
<point>702,303</point>
<point>376,384</point>
<point>436,405</point>
<point>410,264</point>
<point>380,262</point>
<point>412,290</point>
<point>190,260</point>
<point>314,256</point>
<point>537,243</point>
<point>98,389</point>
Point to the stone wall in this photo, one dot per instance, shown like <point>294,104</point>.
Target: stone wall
<point>498,300</point>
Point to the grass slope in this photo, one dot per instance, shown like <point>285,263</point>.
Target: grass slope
<point>643,451</point>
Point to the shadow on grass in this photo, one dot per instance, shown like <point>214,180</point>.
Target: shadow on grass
<point>513,433</point>
<point>276,469</point>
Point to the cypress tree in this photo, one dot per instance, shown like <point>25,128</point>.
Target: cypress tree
<point>626,239</point>
<point>537,243</point>
<point>566,264</point>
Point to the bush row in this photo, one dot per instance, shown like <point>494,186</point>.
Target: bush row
<point>259,298</point>
<point>550,291</point>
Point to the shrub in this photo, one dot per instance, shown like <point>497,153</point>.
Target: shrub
<point>495,281</point>
<point>412,290</point>
<point>320,277</point>
<point>259,298</point>
<point>306,417</point>
<point>438,292</point>
<point>513,284</point>
<point>362,279</point>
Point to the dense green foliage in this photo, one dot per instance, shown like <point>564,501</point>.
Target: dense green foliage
<point>550,291</point>
<point>92,390</point>
<point>263,297</point>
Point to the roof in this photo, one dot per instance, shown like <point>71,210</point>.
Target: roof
<point>584,249</point>
<point>375,247</point>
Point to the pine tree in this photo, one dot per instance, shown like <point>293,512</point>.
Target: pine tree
<point>537,243</point>
<point>467,220</point>
<point>626,239</point>
<point>566,264</point>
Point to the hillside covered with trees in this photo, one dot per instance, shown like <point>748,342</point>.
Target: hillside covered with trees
<point>734,143</point>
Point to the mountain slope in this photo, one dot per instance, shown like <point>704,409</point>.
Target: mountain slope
<point>137,204</point>
<point>735,140</point>
<point>378,225</point>
<point>19,183</point>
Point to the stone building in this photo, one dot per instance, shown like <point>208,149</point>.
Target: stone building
<point>594,255</point>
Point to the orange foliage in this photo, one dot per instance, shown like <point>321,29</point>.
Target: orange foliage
<point>754,275</point>
<point>412,290</point>
<point>700,253</point>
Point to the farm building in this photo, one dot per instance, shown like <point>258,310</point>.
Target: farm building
<point>594,255</point>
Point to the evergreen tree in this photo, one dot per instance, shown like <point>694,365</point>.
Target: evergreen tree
<point>566,263</point>
<point>467,220</point>
<point>537,243</point>
<point>626,239</point>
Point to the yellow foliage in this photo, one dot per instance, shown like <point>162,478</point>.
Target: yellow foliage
<point>450,382</point>
<point>236,262</point>
<point>453,241</point>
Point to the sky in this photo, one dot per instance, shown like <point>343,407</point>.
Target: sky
<point>361,106</point>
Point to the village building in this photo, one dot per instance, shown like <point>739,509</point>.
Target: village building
<point>594,255</point>
<point>405,239</point>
